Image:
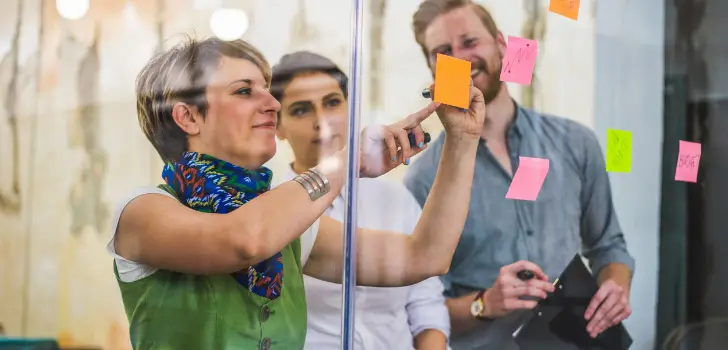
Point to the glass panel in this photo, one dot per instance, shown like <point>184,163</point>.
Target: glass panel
<point>692,281</point>
<point>73,147</point>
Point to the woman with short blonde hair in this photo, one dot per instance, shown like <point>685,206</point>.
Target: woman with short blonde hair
<point>212,259</point>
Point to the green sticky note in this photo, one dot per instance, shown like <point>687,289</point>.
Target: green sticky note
<point>619,151</point>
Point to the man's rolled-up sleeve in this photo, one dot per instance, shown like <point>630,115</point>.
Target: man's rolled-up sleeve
<point>602,236</point>
<point>426,307</point>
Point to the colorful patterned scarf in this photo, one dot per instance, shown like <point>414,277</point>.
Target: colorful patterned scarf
<point>211,185</point>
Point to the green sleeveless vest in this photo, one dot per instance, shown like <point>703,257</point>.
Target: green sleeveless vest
<point>175,311</point>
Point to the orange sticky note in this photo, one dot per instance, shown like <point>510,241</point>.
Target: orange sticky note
<point>452,81</point>
<point>688,161</point>
<point>529,178</point>
<point>566,8</point>
<point>519,60</point>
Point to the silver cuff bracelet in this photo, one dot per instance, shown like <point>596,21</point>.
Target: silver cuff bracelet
<point>314,182</point>
<point>324,182</point>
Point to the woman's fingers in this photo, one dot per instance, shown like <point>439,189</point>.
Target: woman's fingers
<point>419,136</point>
<point>403,142</point>
<point>420,143</point>
<point>418,117</point>
<point>390,142</point>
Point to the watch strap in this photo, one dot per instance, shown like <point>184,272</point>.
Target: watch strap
<point>479,297</point>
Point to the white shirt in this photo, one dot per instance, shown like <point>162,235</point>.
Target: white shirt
<point>385,318</point>
<point>130,271</point>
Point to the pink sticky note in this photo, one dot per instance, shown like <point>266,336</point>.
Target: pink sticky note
<point>529,178</point>
<point>688,161</point>
<point>519,61</point>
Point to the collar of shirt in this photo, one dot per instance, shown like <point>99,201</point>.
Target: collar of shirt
<point>520,124</point>
<point>516,133</point>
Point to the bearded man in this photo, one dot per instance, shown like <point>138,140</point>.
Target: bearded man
<point>573,213</point>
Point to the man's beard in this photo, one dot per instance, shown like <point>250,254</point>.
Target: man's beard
<point>493,83</point>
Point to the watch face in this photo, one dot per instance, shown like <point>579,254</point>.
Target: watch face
<point>476,308</point>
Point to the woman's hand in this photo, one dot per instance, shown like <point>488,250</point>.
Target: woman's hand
<point>463,123</point>
<point>384,147</point>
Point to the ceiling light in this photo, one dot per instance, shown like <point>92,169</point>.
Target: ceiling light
<point>72,9</point>
<point>229,24</point>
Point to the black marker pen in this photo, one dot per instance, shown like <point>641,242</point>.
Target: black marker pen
<point>525,275</point>
<point>413,142</point>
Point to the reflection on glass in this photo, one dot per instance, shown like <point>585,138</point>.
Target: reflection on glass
<point>70,144</point>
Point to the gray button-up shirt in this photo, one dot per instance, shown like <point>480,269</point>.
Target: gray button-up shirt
<point>572,214</point>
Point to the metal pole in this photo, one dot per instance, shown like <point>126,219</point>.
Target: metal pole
<point>352,176</point>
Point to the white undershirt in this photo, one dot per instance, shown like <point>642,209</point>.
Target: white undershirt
<point>130,271</point>
<point>385,318</point>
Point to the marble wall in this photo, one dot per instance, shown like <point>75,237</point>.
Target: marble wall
<point>70,145</point>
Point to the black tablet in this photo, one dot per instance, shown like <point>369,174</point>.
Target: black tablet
<point>558,321</point>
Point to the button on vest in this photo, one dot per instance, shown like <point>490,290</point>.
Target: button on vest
<point>264,313</point>
<point>265,344</point>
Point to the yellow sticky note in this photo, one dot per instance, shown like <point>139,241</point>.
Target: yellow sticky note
<point>452,81</point>
<point>566,8</point>
<point>619,151</point>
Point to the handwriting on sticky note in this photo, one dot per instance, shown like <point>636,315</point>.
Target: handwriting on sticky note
<point>528,179</point>
<point>566,8</point>
<point>452,81</point>
<point>519,60</point>
<point>688,161</point>
<point>619,151</point>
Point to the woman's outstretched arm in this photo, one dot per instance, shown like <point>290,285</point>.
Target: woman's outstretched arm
<point>157,230</point>
<point>387,258</point>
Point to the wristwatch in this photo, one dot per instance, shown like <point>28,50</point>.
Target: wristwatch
<point>477,308</point>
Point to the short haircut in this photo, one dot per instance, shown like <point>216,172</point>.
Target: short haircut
<point>302,62</point>
<point>431,9</point>
<point>182,74</point>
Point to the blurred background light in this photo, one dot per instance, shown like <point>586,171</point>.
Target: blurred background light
<point>229,24</point>
<point>72,9</point>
